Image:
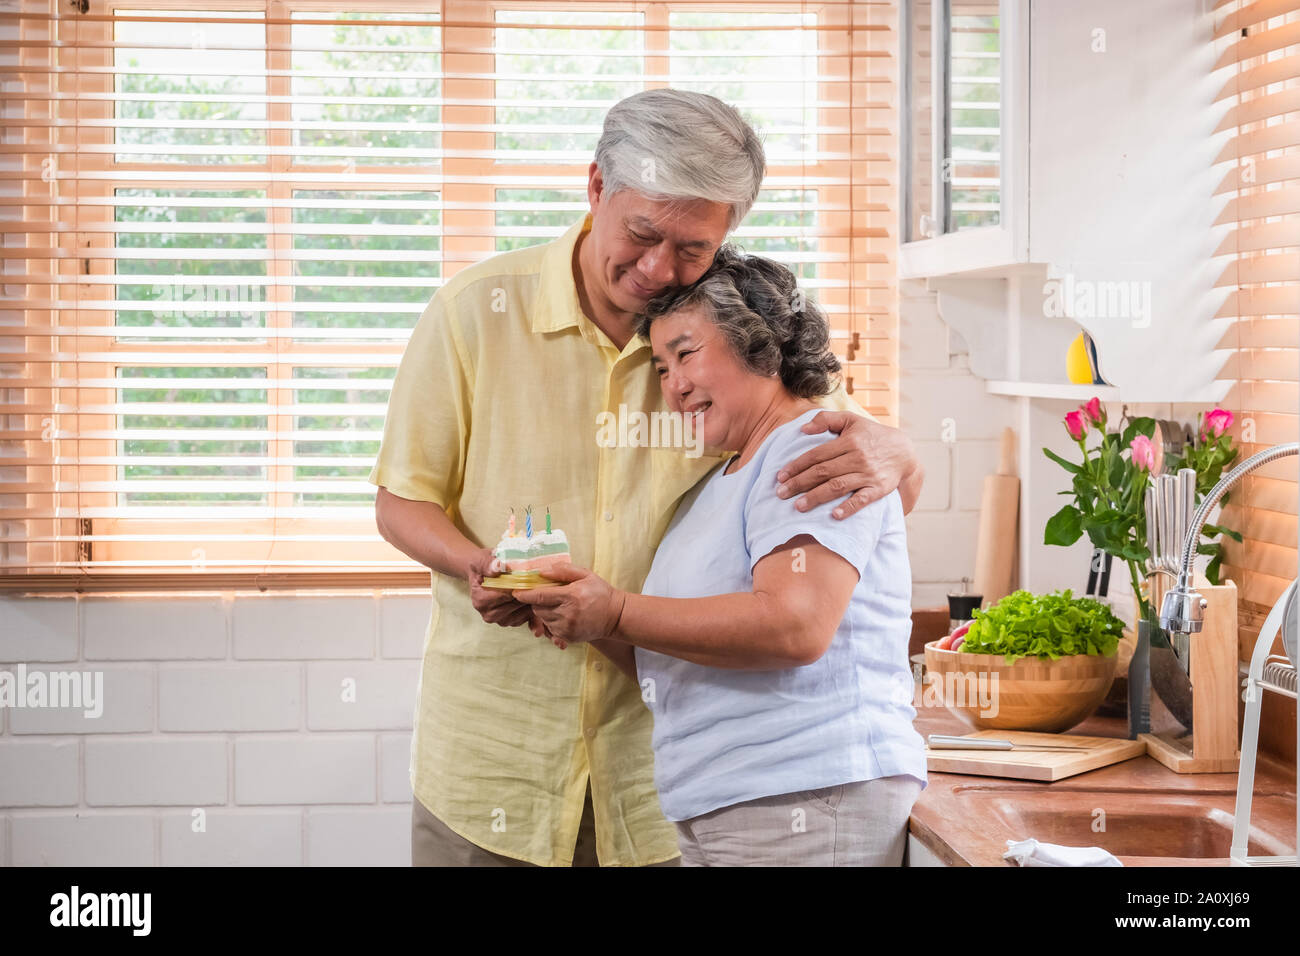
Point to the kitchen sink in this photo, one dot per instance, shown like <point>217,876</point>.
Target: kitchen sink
<point>1134,823</point>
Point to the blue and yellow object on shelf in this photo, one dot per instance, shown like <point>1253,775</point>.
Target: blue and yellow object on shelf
<point>1081,362</point>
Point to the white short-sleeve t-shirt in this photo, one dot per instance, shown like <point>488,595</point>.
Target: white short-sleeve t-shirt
<point>724,736</point>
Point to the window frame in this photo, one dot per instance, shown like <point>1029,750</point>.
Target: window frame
<point>864,335</point>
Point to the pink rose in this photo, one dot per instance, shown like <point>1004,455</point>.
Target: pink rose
<point>1143,453</point>
<point>1094,412</point>
<point>1075,425</point>
<point>1216,422</point>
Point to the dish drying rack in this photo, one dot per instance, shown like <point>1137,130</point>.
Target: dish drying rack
<point>1267,672</point>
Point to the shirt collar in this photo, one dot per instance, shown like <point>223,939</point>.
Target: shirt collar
<point>557,294</point>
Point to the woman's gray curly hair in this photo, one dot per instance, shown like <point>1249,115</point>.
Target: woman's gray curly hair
<point>758,307</point>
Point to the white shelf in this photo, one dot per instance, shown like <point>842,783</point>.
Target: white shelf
<point>1154,394</point>
<point>1082,393</point>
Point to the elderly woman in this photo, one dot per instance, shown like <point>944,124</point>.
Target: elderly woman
<point>770,644</point>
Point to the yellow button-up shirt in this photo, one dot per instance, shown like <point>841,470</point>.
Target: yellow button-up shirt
<point>496,405</point>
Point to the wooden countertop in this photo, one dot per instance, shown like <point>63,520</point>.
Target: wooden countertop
<point>968,832</point>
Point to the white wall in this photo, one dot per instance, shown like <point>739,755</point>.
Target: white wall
<point>1122,176</point>
<point>229,704</point>
<point>1121,189</point>
<point>936,388</point>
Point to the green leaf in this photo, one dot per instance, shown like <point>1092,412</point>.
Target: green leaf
<point>1132,552</point>
<point>1064,527</point>
<point>1214,530</point>
<point>1072,469</point>
<point>1138,426</point>
<point>1048,627</point>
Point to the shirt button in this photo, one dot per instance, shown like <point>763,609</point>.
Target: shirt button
<point>590,731</point>
<point>609,516</point>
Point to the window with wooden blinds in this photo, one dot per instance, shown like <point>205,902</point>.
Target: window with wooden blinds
<point>1259,45</point>
<point>222,220</point>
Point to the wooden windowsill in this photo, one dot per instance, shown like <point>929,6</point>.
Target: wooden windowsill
<point>206,582</point>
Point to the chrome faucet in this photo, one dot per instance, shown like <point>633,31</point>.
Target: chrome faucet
<point>1183,610</point>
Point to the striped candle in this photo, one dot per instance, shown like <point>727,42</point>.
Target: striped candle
<point>528,523</point>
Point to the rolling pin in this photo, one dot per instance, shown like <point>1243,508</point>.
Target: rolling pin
<point>995,548</point>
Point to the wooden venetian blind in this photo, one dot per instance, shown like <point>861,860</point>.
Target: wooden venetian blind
<point>222,220</point>
<point>1259,44</point>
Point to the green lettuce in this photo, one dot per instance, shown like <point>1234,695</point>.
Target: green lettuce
<point>1046,626</point>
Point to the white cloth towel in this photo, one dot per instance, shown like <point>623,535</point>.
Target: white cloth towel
<point>1032,853</point>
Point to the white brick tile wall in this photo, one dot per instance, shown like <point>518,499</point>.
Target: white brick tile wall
<point>936,459</point>
<point>84,838</point>
<point>974,461</point>
<point>181,771</point>
<point>127,705</point>
<point>38,773</point>
<point>926,399</point>
<point>303,628</point>
<point>154,629</point>
<point>403,624</point>
<point>934,594</point>
<point>943,406</point>
<point>233,838</point>
<point>314,769</point>
<point>378,836</point>
<point>923,337</point>
<point>395,768</point>
<point>362,695</point>
<point>942,544</point>
<point>38,629</point>
<point>230,697</point>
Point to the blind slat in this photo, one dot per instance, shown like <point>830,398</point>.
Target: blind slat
<point>212,244</point>
<point>1263,272</point>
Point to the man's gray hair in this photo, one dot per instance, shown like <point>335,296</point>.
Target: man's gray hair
<point>675,144</point>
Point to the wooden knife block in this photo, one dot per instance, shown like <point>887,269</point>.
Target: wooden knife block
<point>1211,747</point>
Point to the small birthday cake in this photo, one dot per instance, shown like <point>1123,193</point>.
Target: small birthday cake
<point>532,552</point>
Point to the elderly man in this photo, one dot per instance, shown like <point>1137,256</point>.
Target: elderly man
<point>523,753</point>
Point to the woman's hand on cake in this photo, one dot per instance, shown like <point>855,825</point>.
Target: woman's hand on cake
<point>494,606</point>
<point>585,609</point>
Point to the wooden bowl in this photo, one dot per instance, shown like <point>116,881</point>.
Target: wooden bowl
<point>1045,696</point>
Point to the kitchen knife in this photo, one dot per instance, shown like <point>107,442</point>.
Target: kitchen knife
<point>947,742</point>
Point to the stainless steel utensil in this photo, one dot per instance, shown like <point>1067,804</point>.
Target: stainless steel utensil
<point>1162,525</point>
<point>948,742</point>
<point>1160,663</point>
<point>1186,508</point>
<point>1171,502</point>
<point>1291,626</point>
<point>1149,506</point>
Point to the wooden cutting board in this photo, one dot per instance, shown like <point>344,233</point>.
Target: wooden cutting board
<point>1045,765</point>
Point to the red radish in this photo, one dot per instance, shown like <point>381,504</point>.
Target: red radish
<point>961,631</point>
